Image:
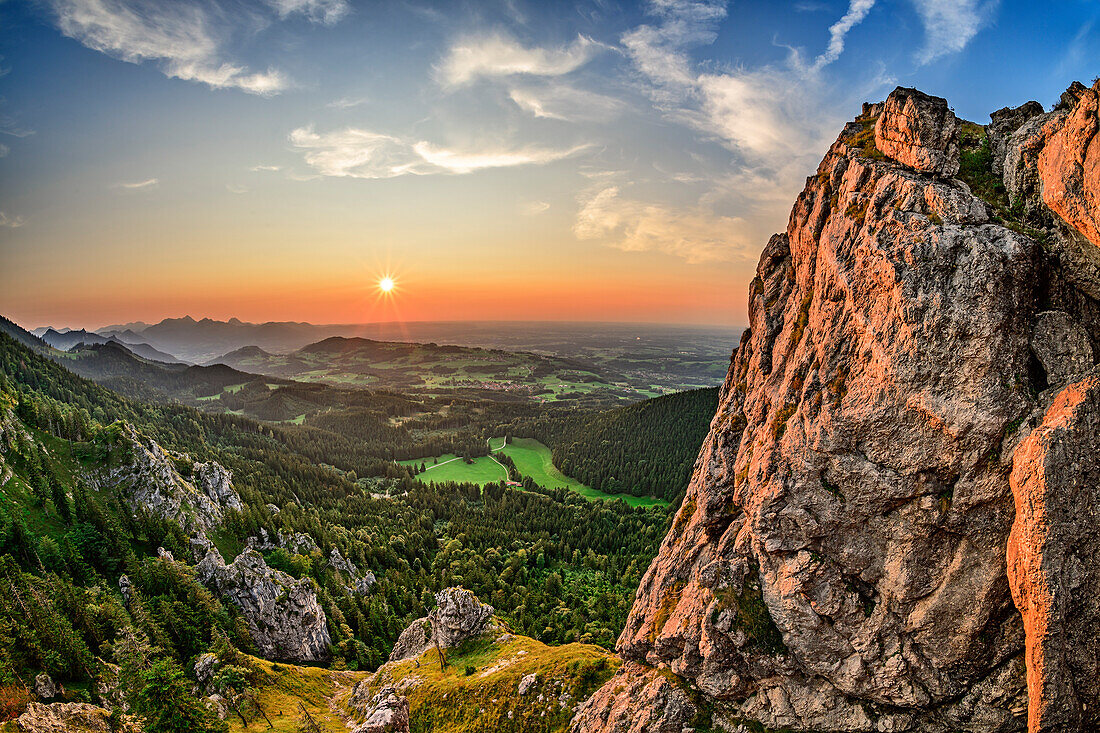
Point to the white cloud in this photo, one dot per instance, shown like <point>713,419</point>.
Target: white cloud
<point>11,222</point>
<point>180,36</point>
<point>694,233</point>
<point>857,11</point>
<point>501,56</point>
<point>4,150</point>
<point>950,24</point>
<point>563,102</point>
<point>347,102</point>
<point>357,153</point>
<point>147,183</point>
<point>266,168</point>
<point>533,208</point>
<point>318,11</point>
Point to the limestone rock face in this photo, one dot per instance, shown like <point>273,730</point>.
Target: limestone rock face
<point>637,699</point>
<point>152,482</point>
<point>1003,123</point>
<point>70,717</point>
<point>919,131</point>
<point>1054,559</point>
<point>840,561</point>
<point>385,712</point>
<point>458,616</point>
<point>284,617</point>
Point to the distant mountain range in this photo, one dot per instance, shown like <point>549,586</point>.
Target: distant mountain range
<point>66,340</point>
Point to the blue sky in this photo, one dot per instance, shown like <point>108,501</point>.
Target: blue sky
<point>597,160</point>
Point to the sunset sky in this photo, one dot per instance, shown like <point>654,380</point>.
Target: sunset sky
<point>271,160</point>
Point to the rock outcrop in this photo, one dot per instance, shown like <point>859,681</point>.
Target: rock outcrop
<point>1054,558</point>
<point>385,712</point>
<point>841,559</point>
<point>919,131</point>
<point>71,717</point>
<point>637,699</point>
<point>458,616</point>
<point>46,688</point>
<point>285,619</point>
<point>151,481</point>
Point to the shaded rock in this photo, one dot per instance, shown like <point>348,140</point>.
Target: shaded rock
<point>164,554</point>
<point>107,687</point>
<point>1054,559</point>
<point>298,543</point>
<point>1061,345</point>
<point>637,699</point>
<point>385,712</point>
<point>45,687</point>
<point>919,131</point>
<point>218,704</point>
<point>1003,123</point>
<point>458,616</point>
<point>70,717</point>
<point>285,619</point>
<point>360,583</point>
<point>126,587</point>
<point>205,664</point>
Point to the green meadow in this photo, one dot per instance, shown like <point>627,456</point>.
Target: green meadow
<point>532,459</point>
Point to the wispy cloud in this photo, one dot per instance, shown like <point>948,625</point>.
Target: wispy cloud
<point>857,11</point>
<point>181,36</point>
<point>327,12</point>
<point>11,222</point>
<point>357,153</point>
<point>558,101</point>
<point>235,188</point>
<point>533,208</point>
<point>347,102</point>
<point>694,233</point>
<point>949,25</point>
<point>4,150</point>
<point>147,183</point>
<point>500,56</point>
<point>266,168</point>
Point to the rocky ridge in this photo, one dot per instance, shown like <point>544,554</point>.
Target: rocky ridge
<point>285,619</point>
<point>457,616</point>
<point>914,387</point>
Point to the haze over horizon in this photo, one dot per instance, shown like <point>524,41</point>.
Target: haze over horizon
<point>272,160</point>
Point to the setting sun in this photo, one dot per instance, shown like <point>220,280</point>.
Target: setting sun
<point>386,284</point>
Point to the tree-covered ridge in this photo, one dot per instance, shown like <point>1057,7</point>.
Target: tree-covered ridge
<point>644,449</point>
<point>556,567</point>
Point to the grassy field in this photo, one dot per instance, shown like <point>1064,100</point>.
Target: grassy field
<point>531,457</point>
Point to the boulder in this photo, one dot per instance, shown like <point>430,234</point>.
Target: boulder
<point>919,131</point>
<point>458,616</point>
<point>1054,559</point>
<point>385,712</point>
<point>46,688</point>
<point>285,619</point>
<point>637,699</point>
<point>527,682</point>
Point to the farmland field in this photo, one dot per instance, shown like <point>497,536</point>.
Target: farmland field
<point>532,459</point>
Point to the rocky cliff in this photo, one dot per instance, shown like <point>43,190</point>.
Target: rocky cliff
<point>888,525</point>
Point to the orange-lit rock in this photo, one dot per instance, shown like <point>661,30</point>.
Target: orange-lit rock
<point>1054,559</point>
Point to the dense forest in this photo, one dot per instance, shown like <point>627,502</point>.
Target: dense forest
<point>555,566</point>
<point>644,449</point>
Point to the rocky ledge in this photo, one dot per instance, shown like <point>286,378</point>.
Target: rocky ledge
<point>891,524</point>
<point>458,616</point>
<point>284,617</point>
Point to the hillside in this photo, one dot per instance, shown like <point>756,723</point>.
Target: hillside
<point>645,449</point>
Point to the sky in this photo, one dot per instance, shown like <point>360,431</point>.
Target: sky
<point>512,160</point>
